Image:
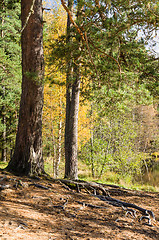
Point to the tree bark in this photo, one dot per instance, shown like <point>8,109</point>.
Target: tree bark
<point>71,128</point>
<point>58,160</point>
<point>27,158</point>
<point>72,102</point>
<point>4,141</point>
<point>4,148</point>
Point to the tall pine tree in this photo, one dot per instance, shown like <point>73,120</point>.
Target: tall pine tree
<point>27,158</point>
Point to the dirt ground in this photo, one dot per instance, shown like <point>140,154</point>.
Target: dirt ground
<point>47,210</point>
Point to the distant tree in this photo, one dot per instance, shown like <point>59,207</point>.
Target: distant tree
<point>27,158</point>
<point>54,91</point>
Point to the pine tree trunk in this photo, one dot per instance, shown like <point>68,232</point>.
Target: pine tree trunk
<point>27,158</point>
<point>4,142</point>
<point>71,128</point>
<point>59,149</point>
<point>4,134</point>
<point>58,160</point>
<point>72,102</point>
<point>4,149</point>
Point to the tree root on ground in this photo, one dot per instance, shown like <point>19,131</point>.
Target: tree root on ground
<point>147,214</point>
<point>89,187</point>
<point>97,188</point>
<point>93,189</point>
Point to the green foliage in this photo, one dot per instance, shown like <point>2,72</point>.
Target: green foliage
<point>3,165</point>
<point>10,71</point>
<point>119,74</point>
<point>113,146</point>
<point>115,50</point>
<point>150,75</point>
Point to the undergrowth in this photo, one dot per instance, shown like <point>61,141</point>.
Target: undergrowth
<point>108,178</point>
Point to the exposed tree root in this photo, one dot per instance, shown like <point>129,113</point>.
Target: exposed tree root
<point>93,189</point>
<point>96,189</point>
<point>91,205</point>
<point>89,187</point>
<point>147,214</point>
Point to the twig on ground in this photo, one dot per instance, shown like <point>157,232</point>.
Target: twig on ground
<point>61,206</point>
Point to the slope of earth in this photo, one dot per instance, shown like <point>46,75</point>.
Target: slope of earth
<point>48,209</point>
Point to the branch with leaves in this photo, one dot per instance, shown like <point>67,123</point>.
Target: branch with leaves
<point>71,19</point>
<point>84,36</point>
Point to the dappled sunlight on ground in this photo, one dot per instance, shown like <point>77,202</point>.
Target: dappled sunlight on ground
<point>28,211</point>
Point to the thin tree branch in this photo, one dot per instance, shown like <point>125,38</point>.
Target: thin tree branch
<point>71,19</point>
<point>84,36</point>
<point>148,6</point>
<point>90,54</point>
<point>106,55</point>
<point>99,10</point>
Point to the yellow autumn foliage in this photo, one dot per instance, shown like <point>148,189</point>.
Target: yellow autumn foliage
<point>54,94</point>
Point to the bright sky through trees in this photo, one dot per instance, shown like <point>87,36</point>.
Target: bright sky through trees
<point>153,45</point>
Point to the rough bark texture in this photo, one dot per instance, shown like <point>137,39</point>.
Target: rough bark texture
<point>27,158</point>
<point>72,106</point>
<point>71,128</point>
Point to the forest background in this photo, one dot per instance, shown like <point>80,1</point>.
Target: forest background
<point>118,121</point>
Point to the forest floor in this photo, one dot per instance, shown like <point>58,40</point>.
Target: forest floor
<point>47,210</point>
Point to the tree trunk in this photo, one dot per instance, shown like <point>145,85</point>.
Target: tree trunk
<point>54,151</point>
<point>58,160</point>
<point>4,149</point>
<point>72,102</point>
<point>27,158</point>
<point>71,128</point>
<point>4,142</point>
<point>92,155</point>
